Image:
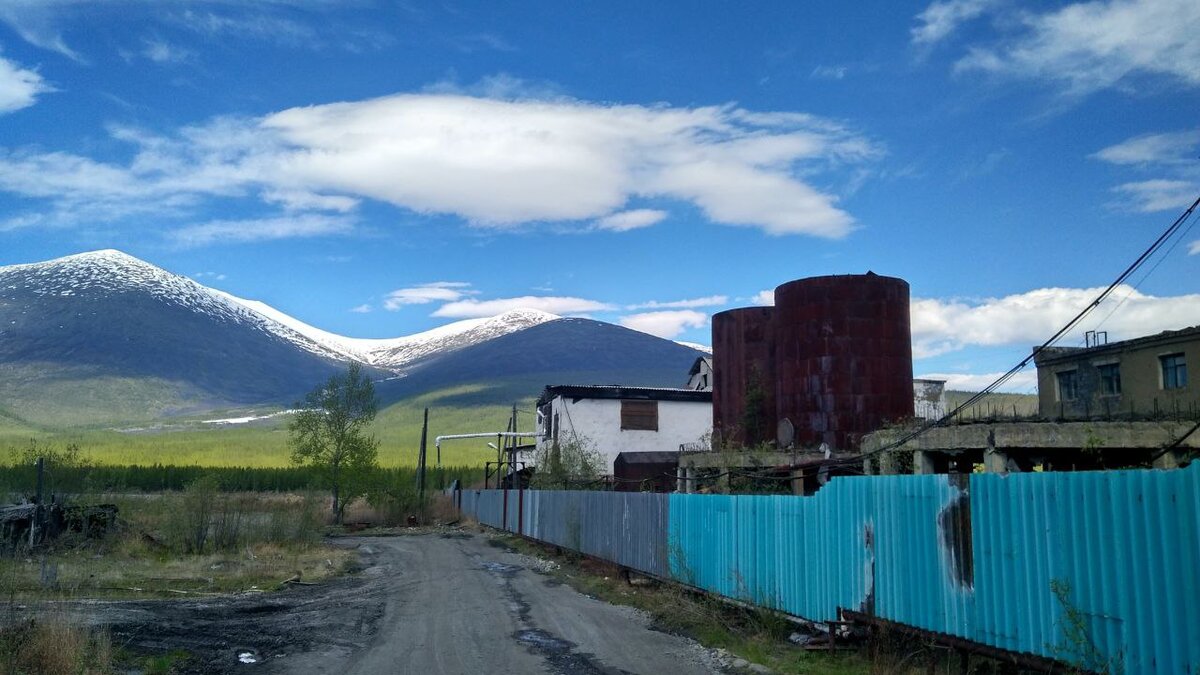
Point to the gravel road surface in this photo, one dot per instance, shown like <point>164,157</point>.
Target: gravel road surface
<point>428,604</point>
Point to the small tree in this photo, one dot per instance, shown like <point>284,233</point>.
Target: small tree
<point>562,466</point>
<point>329,435</point>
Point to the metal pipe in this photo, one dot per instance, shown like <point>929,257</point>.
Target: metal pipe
<point>437,442</point>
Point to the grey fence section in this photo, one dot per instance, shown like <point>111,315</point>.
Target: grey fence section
<point>629,529</point>
<point>485,505</point>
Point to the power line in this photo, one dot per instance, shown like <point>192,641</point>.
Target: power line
<point>1128,272</point>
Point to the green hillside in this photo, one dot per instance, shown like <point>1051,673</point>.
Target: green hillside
<point>994,405</point>
<point>264,443</point>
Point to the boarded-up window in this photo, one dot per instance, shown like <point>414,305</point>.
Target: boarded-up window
<point>639,415</point>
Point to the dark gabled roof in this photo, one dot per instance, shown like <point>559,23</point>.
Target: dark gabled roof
<point>658,457</point>
<point>1054,354</point>
<point>616,391</point>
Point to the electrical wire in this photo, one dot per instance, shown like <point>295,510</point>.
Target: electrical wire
<point>1167,234</point>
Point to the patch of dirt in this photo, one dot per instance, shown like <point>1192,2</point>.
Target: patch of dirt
<point>218,632</point>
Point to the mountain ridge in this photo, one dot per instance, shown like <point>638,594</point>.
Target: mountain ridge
<point>86,331</point>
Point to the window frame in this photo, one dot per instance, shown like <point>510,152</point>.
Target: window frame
<point>1110,378</point>
<point>639,415</point>
<point>1172,371</point>
<point>1060,377</point>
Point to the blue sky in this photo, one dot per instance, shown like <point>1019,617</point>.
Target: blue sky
<point>379,168</point>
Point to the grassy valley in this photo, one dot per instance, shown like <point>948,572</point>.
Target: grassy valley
<point>189,441</point>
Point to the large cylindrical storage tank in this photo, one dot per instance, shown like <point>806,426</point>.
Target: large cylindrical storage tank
<point>743,376</point>
<point>843,362</point>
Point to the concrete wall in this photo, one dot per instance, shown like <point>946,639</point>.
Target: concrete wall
<point>1141,380</point>
<point>599,422</point>
<point>929,399</point>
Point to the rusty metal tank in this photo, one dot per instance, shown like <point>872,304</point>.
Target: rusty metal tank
<point>743,374</point>
<point>843,357</point>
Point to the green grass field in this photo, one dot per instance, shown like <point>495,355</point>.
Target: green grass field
<point>190,442</point>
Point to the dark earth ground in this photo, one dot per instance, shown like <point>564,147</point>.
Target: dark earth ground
<point>430,603</point>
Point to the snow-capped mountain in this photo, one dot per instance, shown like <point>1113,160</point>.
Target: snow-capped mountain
<point>110,271</point>
<point>109,333</point>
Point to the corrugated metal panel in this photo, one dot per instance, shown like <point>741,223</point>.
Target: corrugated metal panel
<point>1100,569</point>
<point>1121,547</point>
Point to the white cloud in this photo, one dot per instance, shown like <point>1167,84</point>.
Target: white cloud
<point>764,298</point>
<point>666,324</point>
<point>473,309</point>
<point>942,18</point>
<point>830,72</point>
<point>1024,382</point>
<point>1171,157</point>
<point>1027,319</point>
<point>1168,148</point>
<point>623,221</point>
<point>19,87</point>
<point>216,276</point>
<point>361,309</point>
<point>263,229</point>
<point>438,291</point>
<point>300,200</point>
<point>1150,196</point>
<point>1089,46</point>
<point>161,51</point>
<point>495,163</point>
<point>1194,248</point>
<point>503,162</point>
<point>256,25</point>
<point>707,301</point>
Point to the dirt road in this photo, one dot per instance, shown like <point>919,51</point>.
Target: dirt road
<point>430,604</point>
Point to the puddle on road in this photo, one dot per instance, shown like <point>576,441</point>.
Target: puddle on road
<point>499,568</point>
<point>247,656</point>
<point>543,641</point>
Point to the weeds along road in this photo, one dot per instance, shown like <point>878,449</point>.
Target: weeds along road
<point>429,604</point>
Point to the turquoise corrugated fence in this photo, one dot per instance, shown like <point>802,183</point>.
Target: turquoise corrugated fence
<point>1098,569</point>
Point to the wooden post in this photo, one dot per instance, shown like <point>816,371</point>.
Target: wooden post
<point>38,510</point>
<point>421,457</point>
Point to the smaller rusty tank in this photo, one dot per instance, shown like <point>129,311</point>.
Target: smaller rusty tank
<point>743,376</point>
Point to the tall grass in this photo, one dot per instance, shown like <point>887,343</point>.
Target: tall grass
<point>21,478</point>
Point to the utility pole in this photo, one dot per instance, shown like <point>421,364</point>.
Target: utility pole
<point>39,509</point>
<point>421,457</point>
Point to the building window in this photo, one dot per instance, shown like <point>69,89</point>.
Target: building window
<point>639,415</point>
<point>1067,385</point>
<point>1174,371</point>
<point>1110,379</point>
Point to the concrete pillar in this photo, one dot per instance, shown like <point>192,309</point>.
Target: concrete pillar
<point>690,480</point>
<point>798,482</point>
<point>680,484</point>
<point>995,461</point>
<point>723,481</point>
<point>887,463</point>
<point>1169,460</point>
<point>923,462</point>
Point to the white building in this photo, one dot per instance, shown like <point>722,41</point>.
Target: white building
<point>617,419</point>
<point>700,376</point>
<point>929,399</point>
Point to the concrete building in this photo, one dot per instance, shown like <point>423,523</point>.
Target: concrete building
<point>617,419</point>
<point>1145,377</point>
<point>700,376</point>
<point>929,399</point>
